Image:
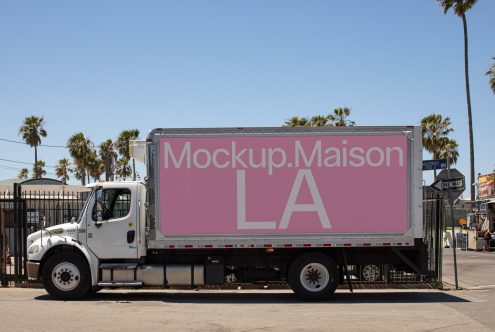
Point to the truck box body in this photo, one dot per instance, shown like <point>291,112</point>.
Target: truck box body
<point>283,187</point>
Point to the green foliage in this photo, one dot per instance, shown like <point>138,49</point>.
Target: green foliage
<point>460,6</point>
<point>491,74</point>
<point>122,168</point>
<point>39,169</point>
<point>23,174</point>
<point>32,130</point>
<point>435,138</point>
<point>338,118</point>
<point>63,169</point>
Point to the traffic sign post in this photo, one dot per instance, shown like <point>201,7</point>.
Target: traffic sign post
<point>453,183</point>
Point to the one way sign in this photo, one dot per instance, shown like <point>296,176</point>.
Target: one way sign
<point>448,184</point>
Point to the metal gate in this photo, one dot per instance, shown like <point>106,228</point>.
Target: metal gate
<point>13,235</point>
<point>21,213</point>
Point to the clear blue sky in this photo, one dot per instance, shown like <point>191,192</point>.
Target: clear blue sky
<point>103,66</point>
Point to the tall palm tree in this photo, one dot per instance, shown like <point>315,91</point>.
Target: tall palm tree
<point>460,8</point>
<point>491,73</point>
<point>63,169</point>
<point>339,117</point>
<point>39,169</point>
<point>296,121</point>
<point>80,149</point>
<point>108,155</point>
<point>123,146</point>
<point>32,130</point>
<point>23,174</point>
<point>122,168</point>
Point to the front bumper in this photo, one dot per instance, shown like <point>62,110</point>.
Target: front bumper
<point>32,270</point>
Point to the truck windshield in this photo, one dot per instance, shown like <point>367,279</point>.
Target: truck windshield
<point>86,203</point>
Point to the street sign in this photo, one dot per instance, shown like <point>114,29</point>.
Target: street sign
<point>451,183</point>
<point>430,165</point>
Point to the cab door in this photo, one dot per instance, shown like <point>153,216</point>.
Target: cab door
<point>112,222</point>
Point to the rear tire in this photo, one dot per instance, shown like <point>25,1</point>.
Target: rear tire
<point>66,276</point>
<point>313,277</point>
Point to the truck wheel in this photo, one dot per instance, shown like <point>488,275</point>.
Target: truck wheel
<point>66,276</point>
<point>370,273</point>
<point>313,277</point>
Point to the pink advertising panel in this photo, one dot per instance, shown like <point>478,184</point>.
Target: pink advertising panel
<point>283,185</point>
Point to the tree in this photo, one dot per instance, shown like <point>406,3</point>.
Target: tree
<point>108,156</point>
<point>491,74</point>
<point>80,149</point>
<point>122,168</point>
<point>318,121</point>
<point>32,130</point>
<point>339,117</point>
<point>39,169</point>
<point>435,134</point>
<point>296,121</point>
<point>63,169</point>
<point>95,166</point>
<point>23,174</point>
<point>460,8</point>
<point>122,146</point>
<point>449,150</point>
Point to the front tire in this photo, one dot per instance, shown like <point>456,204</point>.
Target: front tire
<point>66,276</point>
<point>313,277</point>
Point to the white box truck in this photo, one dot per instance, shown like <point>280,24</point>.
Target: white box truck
<point>245,205</point>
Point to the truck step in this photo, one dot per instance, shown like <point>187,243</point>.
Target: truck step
<point>121,284</point>
<point>118,266</point>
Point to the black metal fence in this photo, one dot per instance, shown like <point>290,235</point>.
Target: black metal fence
<point>23,212</point>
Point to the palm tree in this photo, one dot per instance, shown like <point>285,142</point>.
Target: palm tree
<point>23,174</point>
<point>38,169</point>
<point>491,74</point>
<point>435,133</point>
<point>449,150</point>
<point>123,146</point>
<point>339,117</point>
<point>32,130</point>
<point>80,149</point>
<point>63,169</point>
<point>318,121</point>
<point>460,8</point>
<point>296,121</point>
<point>79,174</point>
<point>95,166</point>
<point>122,169</point>
<point>108,155</point>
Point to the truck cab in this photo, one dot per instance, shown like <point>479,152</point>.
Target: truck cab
<point>111,226</point>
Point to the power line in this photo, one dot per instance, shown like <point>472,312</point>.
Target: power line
<point>24,143</point>
<point>23,162</point>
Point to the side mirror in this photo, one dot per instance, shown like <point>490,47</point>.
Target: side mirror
<point>100,203</point>
<point>42,223</point>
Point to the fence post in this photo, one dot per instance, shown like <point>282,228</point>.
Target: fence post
<point>3,250</point>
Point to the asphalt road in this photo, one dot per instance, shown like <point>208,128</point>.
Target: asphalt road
<point>470,309</point>
<point>205,310</point>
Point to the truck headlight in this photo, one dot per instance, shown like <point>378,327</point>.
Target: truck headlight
<point>33,249</point>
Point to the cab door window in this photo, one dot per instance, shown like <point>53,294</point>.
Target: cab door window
<point>111,204</point>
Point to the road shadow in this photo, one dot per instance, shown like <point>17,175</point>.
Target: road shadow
<point>239,297</point>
